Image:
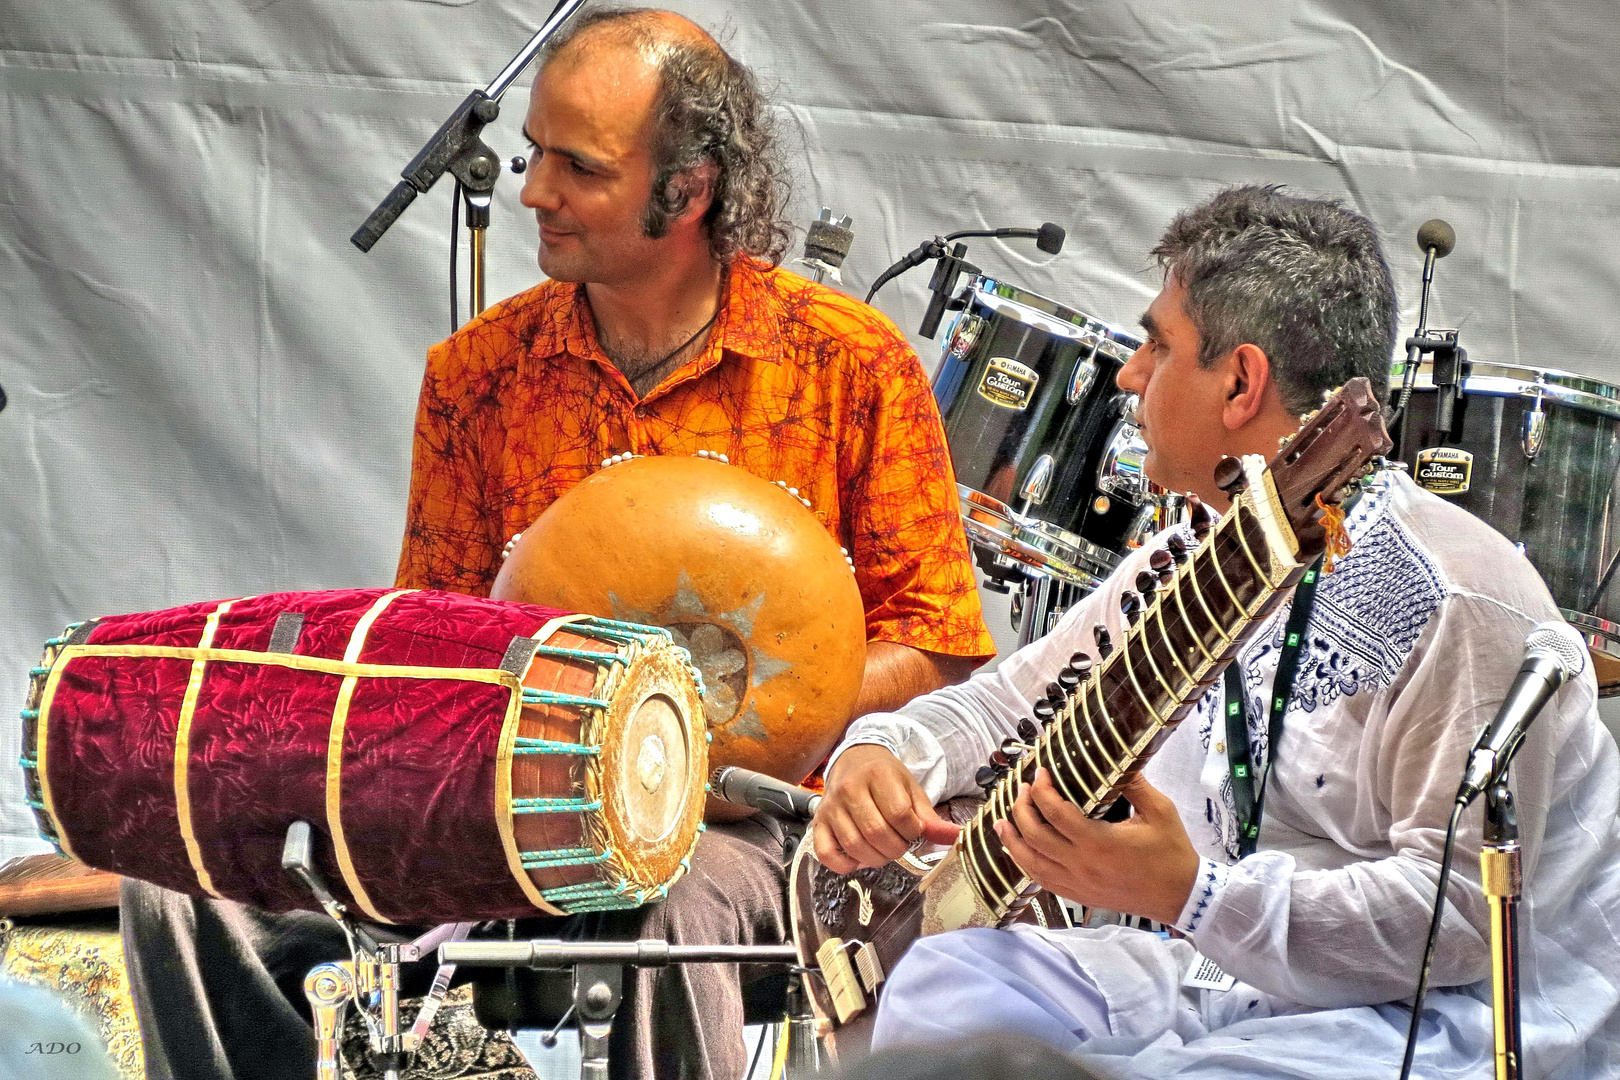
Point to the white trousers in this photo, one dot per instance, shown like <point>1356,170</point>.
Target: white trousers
<point>1113,998</point>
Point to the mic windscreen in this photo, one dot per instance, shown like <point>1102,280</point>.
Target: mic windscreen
<point>828,241</point>
<point>1556,637</point>
<point>1049,238</point>
<point>1436,234</point>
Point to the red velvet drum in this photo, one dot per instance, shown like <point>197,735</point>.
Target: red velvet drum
<point>460,759</point>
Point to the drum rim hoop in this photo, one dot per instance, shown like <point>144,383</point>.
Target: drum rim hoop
<point>1509,380</point>
<point>1060,320</point>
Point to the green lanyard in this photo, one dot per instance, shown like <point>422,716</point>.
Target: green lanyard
<point>1250,802</point>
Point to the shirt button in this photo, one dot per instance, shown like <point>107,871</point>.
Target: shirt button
<point>1220,748</point>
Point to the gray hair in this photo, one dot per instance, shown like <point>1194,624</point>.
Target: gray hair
<point>1304,279</point>
<point>709,111</point>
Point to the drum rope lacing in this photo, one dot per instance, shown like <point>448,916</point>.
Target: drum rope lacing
<point>619,893</point>
<point>30,764</point>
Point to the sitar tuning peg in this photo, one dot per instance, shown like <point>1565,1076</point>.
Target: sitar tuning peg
<point>1105,640</point>
<point>1070,680</point>
<point>1147,583</point>
<point>1163,564</point>
<point>1013,749</point>
<point>987,776</point>
<point>1044,711</point>
<point>1179,547</point>
<point>1027,730</point>
<point>1229,475</point>
<point>1200,516</point>
<point>1000,760</point>
<point>1130,606</point>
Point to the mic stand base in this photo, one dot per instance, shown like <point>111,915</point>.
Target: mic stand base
<point>1500,877</point>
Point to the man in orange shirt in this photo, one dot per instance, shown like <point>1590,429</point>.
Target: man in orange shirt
<point>665,329</point>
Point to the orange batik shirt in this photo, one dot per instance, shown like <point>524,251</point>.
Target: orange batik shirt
<point>797,383</point>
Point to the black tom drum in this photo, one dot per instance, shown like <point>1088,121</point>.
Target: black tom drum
<point>1535,452</point>
<point>1047,459</point>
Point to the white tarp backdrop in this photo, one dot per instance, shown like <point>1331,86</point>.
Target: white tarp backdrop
<point>212,391</point>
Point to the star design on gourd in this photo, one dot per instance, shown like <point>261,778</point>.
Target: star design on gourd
<point>722,648</point>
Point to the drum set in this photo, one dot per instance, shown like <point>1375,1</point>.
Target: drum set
<point>1049,461</point>
<point>1046,451</point>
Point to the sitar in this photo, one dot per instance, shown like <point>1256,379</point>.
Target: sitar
<point>1102,721</point>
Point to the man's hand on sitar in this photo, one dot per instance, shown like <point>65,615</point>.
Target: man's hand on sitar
<point>1144,865</point>
<point>873,811</point>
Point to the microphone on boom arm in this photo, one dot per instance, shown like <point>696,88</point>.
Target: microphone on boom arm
<point>951,255</point>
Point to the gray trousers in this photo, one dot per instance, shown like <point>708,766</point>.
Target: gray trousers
<point>218,986</point>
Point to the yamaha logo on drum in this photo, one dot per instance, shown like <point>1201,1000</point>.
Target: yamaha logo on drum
<point>1008,383</point>
<point>1444,470</point>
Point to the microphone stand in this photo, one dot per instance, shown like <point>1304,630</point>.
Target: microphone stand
<point>1500,875</point>
<point>458,148</point>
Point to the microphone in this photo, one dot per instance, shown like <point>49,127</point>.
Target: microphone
<point>1436,239</point>
<point>1049,238</point>
<point>775,797</point>
<point>1552,656</point>
<point>826,244</point>
<point>1436,234</point>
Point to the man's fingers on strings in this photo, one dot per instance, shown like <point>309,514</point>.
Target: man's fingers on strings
<point>1150,804</point>
<point>827,850</point>
<point>1062,814</point>
<point>1034,829</point>
<point>879,842</point>
<point>1042,869</point>
<point>894,801</point>
<point>882,838</point>
<point>853,842</point>
<point>935,829</point>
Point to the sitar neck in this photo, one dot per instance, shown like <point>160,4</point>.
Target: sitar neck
<point>1177,647</point>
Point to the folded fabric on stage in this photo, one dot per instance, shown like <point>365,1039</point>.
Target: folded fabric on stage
<point>459,758</point>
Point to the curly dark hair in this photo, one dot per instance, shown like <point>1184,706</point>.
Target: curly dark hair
<point>1304,279</point>
<point>709,111</point>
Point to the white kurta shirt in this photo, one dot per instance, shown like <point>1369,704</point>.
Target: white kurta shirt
<point>1411,645</point>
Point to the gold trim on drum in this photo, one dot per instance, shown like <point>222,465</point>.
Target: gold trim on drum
<point>302,663</point>
<point>334,756</point>
<point>182,753</point>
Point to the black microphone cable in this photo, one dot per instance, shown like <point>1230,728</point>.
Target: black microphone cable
<point>1434,935</point>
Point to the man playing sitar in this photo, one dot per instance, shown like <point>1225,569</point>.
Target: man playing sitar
<point>1287,818</point>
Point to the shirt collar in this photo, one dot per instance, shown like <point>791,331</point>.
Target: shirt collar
<point>749,324</point>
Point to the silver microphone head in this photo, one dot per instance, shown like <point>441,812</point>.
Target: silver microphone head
<point>1556,636</point>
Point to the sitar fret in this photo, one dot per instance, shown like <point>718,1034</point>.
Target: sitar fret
<point>1186,620</point>
<point>1130,670</point>
<point>1171,647</point>
<point>1060,777</point>
<point>1102,707</point>
<point>1080,741</point>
